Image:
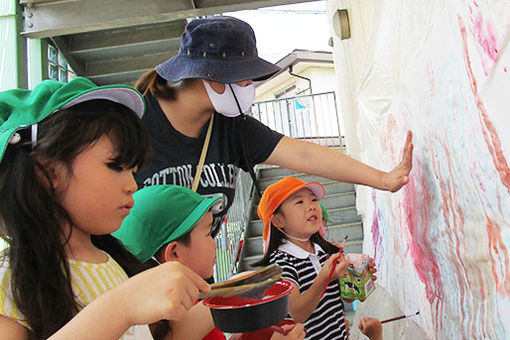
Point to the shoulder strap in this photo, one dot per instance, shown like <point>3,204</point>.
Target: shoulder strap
<point>201,161</point>
<point>247,157</point>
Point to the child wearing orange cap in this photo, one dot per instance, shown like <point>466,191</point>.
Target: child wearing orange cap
<point>292,219</point>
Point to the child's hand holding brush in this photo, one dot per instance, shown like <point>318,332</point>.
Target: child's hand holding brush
<point>336,271</point>
<point>371,327</point>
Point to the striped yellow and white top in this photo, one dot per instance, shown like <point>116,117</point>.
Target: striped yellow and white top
<point>89,280</point>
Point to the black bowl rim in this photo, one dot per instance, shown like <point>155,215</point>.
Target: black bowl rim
<point>290,286</point>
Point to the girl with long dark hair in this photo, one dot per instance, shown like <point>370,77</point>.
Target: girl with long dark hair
<point>67,157</point>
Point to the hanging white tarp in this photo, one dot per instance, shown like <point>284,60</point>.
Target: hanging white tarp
<point>442,70</point>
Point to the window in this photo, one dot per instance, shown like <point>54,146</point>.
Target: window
<point>58,68</point>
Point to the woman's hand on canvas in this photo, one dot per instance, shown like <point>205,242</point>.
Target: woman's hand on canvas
<point>399,176</point>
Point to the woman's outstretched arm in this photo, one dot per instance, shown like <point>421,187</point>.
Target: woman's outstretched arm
<point>322,161</point>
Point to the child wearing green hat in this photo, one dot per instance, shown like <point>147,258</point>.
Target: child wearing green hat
<point>325,220</point>
<point>67,157</point>
<point>171,223</point>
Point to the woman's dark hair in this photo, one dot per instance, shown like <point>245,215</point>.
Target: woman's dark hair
<point>276,238</point>
<point>31,220</point>
<point>151,82</point>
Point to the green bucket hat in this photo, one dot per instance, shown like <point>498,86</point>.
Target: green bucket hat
<point>161,214</point>
<point>325,213</point>
<point>21,108</point>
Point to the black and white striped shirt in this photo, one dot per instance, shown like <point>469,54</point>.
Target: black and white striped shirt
<point>301,267</point>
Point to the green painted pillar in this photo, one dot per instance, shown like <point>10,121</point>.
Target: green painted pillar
<point>13,47</point>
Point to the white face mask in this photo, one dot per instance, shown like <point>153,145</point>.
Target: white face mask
<point>225,103</point>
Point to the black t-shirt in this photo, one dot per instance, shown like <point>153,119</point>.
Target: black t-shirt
<point>173,157</point>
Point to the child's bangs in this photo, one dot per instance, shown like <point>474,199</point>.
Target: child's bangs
<point>130,145</point>
<point>119,123</point>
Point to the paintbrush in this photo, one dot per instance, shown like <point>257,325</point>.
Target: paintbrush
<point>400,317</point>
<point>252,285</point>
<point>340,251</point>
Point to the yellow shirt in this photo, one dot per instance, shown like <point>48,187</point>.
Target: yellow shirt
<point>89,280</point>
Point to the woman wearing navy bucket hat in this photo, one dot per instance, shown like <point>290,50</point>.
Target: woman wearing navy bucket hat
<point>197,98</point>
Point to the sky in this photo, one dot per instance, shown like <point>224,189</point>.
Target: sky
<point>281,29</point>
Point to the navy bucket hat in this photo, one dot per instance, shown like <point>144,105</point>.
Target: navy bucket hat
<point>221,49</point>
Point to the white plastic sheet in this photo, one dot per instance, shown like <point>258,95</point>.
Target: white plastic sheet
<point>381,306</point>
<point>442,70</point>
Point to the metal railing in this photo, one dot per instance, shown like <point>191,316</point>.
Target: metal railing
<point>231,232</point>
<point>309,117</point>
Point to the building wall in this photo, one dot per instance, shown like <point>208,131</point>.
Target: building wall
<point>441,70</point>
<point>322,78</point>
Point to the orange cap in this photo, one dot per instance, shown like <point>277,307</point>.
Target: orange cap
<point>276,194</point>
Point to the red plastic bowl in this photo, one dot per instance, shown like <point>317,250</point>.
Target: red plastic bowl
<point>239,315</point>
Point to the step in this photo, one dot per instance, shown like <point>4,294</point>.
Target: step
<point>329,186</point>
<point>339,200</point>
<point>353,247</point>
<point>330,201</point>
<point>253,246</point>
<point>344,215</point>
<point>277,172</point>
<point>338,216</point>
<point>274,171</point>
<point>244,263</point>
<point>354,230</point>
<point>337,232</point>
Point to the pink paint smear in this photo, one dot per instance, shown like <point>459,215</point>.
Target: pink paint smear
<point>484,34</point>
<point>422,255</point>
<point>376,237</point>
<point>489,132</point>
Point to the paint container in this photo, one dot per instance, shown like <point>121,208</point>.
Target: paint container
<point>240,315</point>
<point>358,283</point>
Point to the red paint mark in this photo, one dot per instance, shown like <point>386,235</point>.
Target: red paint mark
<point>483,31</point>
<point>483,311</point>
<point>489,132</point>
<point>415,203</point>
<point>376,237</point>
<point>496,246</point>
<point>454,220</point>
